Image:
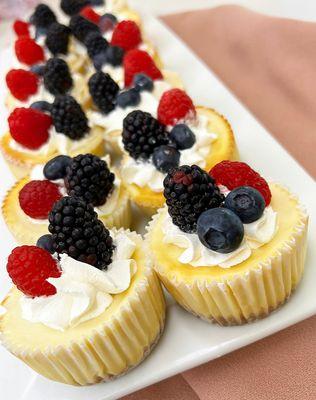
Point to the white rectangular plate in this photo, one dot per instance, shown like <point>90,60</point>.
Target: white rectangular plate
<point>187,341</point>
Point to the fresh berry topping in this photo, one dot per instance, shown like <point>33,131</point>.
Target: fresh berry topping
<point>142,82</point>
<point>189,191</point>
<point>72,7</point>
<point>78,232</point>
<point>57,38</point>
<point>40,32</point>
<point>114,55</point>
<point>182,136</point>
<point>96,3</point>
<point>95,44</point>
<point>81,27</point>
<point>21,28</point>
<point>29,127</point>
<point>28,51</point>
<point>89,178</point>
<point>99,60</point>
<point>174,106</point>
<point>38,197</point>
<point>126,35</point>
<point>138,61</point>
<point>22,84</point>
<point>103,90</point>
<point>38,69</point>
<point>43,16</point>
<point>128,98</point>
<point>29,267</point>
<point>246,202</point>
<point>57,78</point>
<point>165,158</point>
<point>46,242</point>
<point>56,167</point>
<point>69,118</point>
<point>220,230</point>
<point>41,105</point>
<point>233,174</point>
<point>141,134</point>
<point>89,13</point>
<point>107,22</point>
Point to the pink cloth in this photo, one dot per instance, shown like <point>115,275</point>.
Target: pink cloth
<point>270,64</point>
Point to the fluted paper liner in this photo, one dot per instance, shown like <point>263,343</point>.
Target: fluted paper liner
<point>247,295</point>
<point>113,347</point>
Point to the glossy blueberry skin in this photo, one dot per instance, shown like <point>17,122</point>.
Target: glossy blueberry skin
<point>143,82</point>
<point>38,69</point>
<point>107,22</point>
<point>46,242</point>
<point>56,167</point>
<point>130,97</point>
<point>114,55</point>
<point>220,230</point>
<point>246,202</point>
<point>99,60</point>
<point>182,136</point>
<point>41,106</point>
<point>165,158</point>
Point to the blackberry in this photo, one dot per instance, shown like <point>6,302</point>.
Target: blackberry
<point>89,178</point>
<point>77,231</point>
<point>72,7</point>
<point>81,27</point>
<point>142,133</point>
<point>95,44</point>
<point>43,16</point>
<point>189,191</point>
<point>57,38</point>
<point>57,78</point>
<point>103,90</point>
<point>68,117</point>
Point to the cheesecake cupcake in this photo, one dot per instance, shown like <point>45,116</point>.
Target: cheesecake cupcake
<point>45,130</point>
<point>86,306</point>
<point>182,134</point>
<point>228,246</point>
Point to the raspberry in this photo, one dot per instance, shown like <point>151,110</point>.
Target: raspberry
<point>126,35</point>
<point>89,13</point>
<point>28,51</point>
<point>38,197</point>
<point>29,127</point>
<point>233,174</point>
<point>29,267</point>
<point>21,28</point>
<point>174,106</point>
<point>21,83</point>
<point>138,61</point>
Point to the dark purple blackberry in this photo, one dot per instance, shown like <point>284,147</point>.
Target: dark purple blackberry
<point>57,78</point>
<point>81,27</point>
<point>142,133</point>
<point>95,44</point>
<point>72,7</point>
<point>43,16</point>
<point>57,38</point>
<point>89,178</point>
<point>103,90</point>
<point>77,231</point>
<point>189,191</point>
<point>68,117</point>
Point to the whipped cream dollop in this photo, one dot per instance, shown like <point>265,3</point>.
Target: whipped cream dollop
<point>83,292</point>
<point>256,234</point>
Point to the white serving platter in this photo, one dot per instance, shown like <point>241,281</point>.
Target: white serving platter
<point>187,341</point>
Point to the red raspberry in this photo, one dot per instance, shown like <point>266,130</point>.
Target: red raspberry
<point>126,35</point>
<point>38,197</point>
<point>29,267</point>
<point>233,174</point>
<point>175,105</point>
<point>29,127</point>
<point>89,14</point>
<point>138,61</point>
<point>21,28</point>
<point>21,83</point>
<point>28,51</point>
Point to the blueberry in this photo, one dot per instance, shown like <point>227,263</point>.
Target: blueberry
<point>166,157</point>
<point>38,69</point>
<point>219,229</point>
<point>99,60</point>
<point>143,82</point>
<point>40,31</point>
<point>56,167</point>
<point>46,242</point>
<point>41,106</point>
<point>130,97</point>
<point>182,136</point>
<point>107,22</point>
<point>114,55</point>
<point>246,202</point>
